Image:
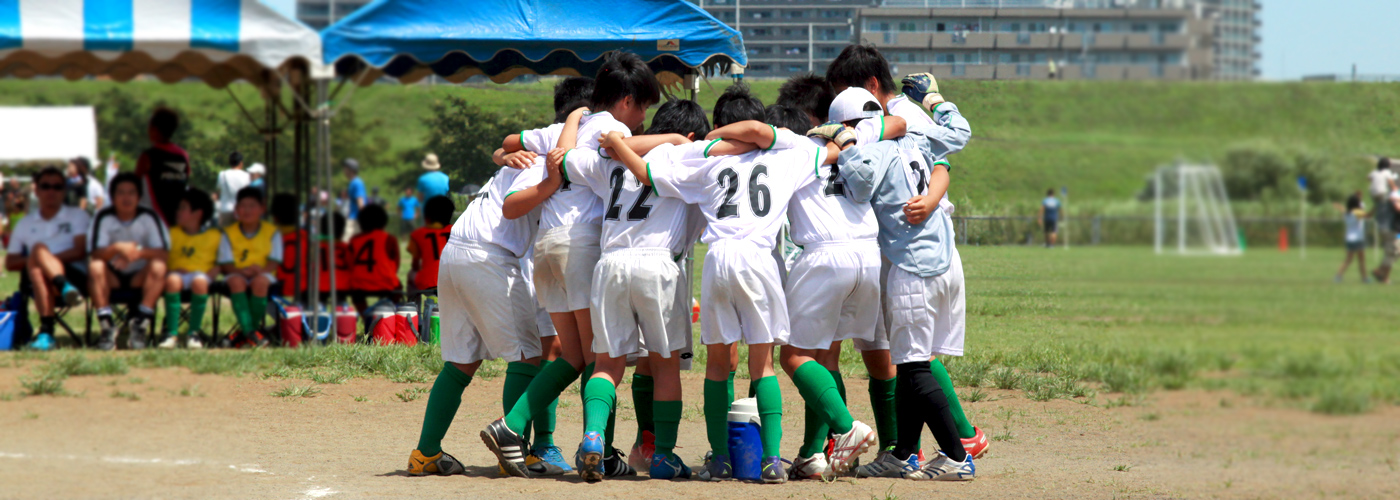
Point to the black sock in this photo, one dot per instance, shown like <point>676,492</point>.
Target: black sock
<point>59,282</point>
<point>917,393</point>
<point>46,325</point>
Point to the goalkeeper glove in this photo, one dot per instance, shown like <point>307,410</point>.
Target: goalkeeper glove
<point>834,132</point>
<point>923,89</point>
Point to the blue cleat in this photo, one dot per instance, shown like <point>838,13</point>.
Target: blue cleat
<point>773,471</point>
<point>717,468</point>
<point>668,466</point>
<point>590,457</point>
<point>43,342</point>
<point>548,461</point>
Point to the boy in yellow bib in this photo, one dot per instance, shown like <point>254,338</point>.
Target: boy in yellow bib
<point>190,266</point>
<point>249,254</point>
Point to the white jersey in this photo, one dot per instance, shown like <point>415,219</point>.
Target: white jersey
<point>483,222</point>
<point>595,125</point>
<point>541,140</point>
<point>633,217</point>
<point>569,204</point>
<point>145,229</point>
<point>914,114</point>
<point>57,233</point>
<point>822,212</point>
<point>743,197</point>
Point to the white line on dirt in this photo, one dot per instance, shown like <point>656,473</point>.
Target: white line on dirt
<point>247,468</point>
<point>319,492</point>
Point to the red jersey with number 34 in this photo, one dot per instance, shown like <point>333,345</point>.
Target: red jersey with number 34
<point>429,242</point>
<point>375,267</point>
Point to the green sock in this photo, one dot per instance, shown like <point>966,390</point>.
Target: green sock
<point>599,397</point>
<point>545,388</point>
<point>257,310</point>
<point>882,404</point>
<point>730,388</point>
<point>840,384</point>
<point>940,372</point>
<point>443,401</point>
<point>818,389</point>
<point>543,423</point>
<point>814,432</point>
<point>172,314</point>
<point>643,389</point>
<point>668,424</point>
<point>770,414</point>
<point>197,305</point>
<point>717,415</point>
<point>240,311</point>
<point>518,377</point>
<point>583,378</point>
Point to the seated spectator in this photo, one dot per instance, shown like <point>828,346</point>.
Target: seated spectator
<point>192,265</point>
<point>249,254</point>
<point>426,243</point>
<point>342,257</point>
<point>375,268</point>
<point>128,246</point>
<point>84,191</point>
<point>50,246</point>
<point>284,214</point>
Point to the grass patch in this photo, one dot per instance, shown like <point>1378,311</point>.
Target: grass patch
<point>411,393</point>
<point>328,378</point>
<point>47,384</point>
<point>361,399</point>
<point>78,365</point>
<point>1007,379</point>
<point>189,391</point>
<point>297,391</point>
<point>1343,401</point>
<point>29,415</point>
<point>976,395</point>
<point>129,396</point>
<point>1150,417</point>
<point>1122,468</point>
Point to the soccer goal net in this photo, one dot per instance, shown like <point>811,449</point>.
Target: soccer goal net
<point>1193,207</point>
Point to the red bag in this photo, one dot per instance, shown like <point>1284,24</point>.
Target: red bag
<point>395,329</point>
<point>291,326</point>
<point>347,321</point>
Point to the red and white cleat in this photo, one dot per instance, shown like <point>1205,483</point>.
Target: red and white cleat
<point>977,444</point>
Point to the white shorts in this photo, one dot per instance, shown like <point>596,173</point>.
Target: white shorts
<point>742,296</point>
<point>564,261</point>
<point>683,311</point>
<point>927,316</point>
<point>542,321</point>
<point>485,305</point>
<point>833,293</point>
<point>187,278</point>
<point>634,295</point>
<point>881,339</point>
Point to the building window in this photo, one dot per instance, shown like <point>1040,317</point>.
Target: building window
<point>760,31</point>
<point>761,14</point>
<point>760,67</point>
<point>760,50</point>
<point>794,31</point>
<point>908,26</point>
<point>827,52</point>
<point>795,14</point>
<point>792,51</point>
<point>1139,28</point>
<point>877,26</point>
<point>313,9</point>
<point>832,34</point>
<point>940,27</point>
<point>945,58</point>
<point>1169,27</point>
<point>796,68</point>
<point>836,14</point>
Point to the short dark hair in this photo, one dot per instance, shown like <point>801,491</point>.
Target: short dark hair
<point>856,64</point>
<point>1050,192</point>
<point>372,217</point>
<point>439,209</point>
<point>284,209</point>
<point>84,166</point>
<point>250,192</point>
<point>571,93</point>
<point>680,116</point>
<point>125,177</point>
<point>200,201</point>
<point>337,225</point>
<point>736,104</point>
<point>47,171</point>
<point>1383,163</point>
<point>624,74</point>
<point>787,117</point>
<point>165,121</point>
<point>808,93</point>
<point>235,159</point>
<point>1354,202</point>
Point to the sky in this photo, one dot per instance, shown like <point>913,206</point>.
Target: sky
<point>1300,37</point>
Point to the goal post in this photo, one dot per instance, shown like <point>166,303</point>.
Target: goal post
<point>1204,223</point>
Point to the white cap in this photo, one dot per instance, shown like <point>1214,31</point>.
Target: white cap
<point>257,168</point>
<point>854,103</point>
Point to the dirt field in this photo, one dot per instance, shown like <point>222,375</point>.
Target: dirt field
<point>167,433</point>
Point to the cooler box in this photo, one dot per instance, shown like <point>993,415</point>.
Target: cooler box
<point>745,443</point>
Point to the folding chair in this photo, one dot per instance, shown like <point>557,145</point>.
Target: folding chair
<point>60,311</point>
<point>124,302</point>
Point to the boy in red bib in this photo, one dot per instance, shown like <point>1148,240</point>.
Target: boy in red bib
<point>375,266</point>
<point>425,244</point>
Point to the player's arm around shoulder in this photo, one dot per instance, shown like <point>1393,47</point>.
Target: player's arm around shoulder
<point>521,202</point>
<point>862,167</point>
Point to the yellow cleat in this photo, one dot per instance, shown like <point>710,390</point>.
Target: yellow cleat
<point>440,464</point>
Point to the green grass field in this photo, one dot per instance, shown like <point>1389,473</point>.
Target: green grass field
<point>1103,325</point>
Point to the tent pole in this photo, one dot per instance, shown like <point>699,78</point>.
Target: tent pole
<point>323,125</point>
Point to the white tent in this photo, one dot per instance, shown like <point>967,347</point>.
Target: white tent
<point>47,134</point>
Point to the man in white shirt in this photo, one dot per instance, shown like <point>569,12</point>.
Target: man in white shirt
<point>128,244</point>
<point>230,181</point>
<point>49,245</point>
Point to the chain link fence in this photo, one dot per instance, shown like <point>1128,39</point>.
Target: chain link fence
<point>1141,230</point>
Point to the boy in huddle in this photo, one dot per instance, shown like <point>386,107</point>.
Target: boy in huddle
<point>191,265</point>
<point>249,254</point>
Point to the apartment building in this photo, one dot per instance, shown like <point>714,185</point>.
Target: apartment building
<point>1236,37</point>
<point>321,13</point>
<point>784,37</point>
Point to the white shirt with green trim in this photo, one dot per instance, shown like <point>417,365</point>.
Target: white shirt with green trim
<point>633,216</point>
<point>541,140</point>
<point>743,197</point>
<point>824,211</point>
<point>483,221</point>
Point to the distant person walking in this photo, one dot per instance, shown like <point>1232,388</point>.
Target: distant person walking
<point>355,197</point>
<point>432,183</point>
<point>1386,212</point>
<point>408,212</point>
<point>1355,217</point>
<point>374,198</point>
<point>164,168</point>
<point>230,181</point>
<point>1380,183</point>
<point>1050,217</point>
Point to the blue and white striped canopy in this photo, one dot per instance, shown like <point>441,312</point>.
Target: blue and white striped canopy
<point>218,41</point>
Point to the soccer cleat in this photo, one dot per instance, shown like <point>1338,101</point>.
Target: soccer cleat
<point>942,468</point>
<point>773,472</point>
<point>615,466</point>
<point>170,342</point>
<point>642,451</point>
<point>71,296</point>
<point>590,457</point>
<point>668,466</point>
<point>139,327</point>
<point>813,467</point>
<point>547,461</point>
<point>107,340</point>
<point>976,445</point>
<point>508,446</point>
<point>193,342</point>
<point>850,445</point>
<point>440,464</point>
<point>42,342</point>
<point>886,465</point>
<point>717,468</point>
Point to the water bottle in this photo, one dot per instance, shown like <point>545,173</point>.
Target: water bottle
<point>745,443</point>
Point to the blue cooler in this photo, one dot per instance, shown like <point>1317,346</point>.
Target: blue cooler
<point>745,444</point>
